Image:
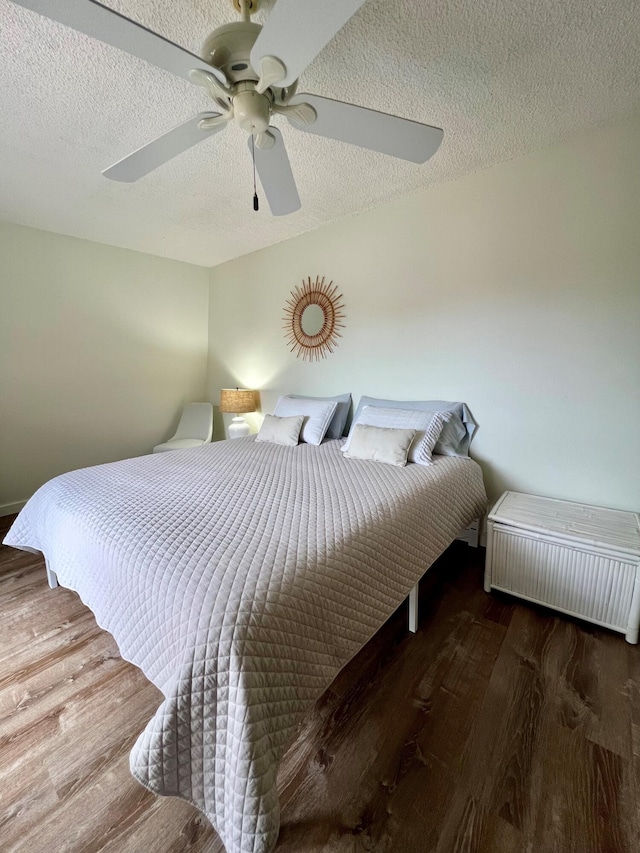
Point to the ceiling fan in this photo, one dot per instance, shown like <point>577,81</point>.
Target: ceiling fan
<point>251,73</point>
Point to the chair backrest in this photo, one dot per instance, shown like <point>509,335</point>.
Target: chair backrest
<point>196,422</point>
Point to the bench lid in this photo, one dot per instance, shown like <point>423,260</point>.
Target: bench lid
<point>611,528</point>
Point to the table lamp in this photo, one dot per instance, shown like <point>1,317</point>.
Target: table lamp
<point>237,401</point>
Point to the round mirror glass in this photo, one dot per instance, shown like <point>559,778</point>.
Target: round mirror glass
<point>312,320</point>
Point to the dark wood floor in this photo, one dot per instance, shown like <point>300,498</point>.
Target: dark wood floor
<point>497,728</point>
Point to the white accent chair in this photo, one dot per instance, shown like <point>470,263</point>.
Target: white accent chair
<point>194,430</point>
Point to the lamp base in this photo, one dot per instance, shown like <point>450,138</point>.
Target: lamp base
<point>238,428</point>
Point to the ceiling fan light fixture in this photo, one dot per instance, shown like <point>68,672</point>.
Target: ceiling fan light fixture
<point>252,111</point>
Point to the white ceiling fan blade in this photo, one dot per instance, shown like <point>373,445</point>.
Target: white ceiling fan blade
<point>297,30</point>
<point>398,137</point>
<point>276,177</point>
<point>164,148</point>
<point>98,21</point>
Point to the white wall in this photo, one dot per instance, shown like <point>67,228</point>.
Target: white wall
<point>516,290</point>
<point>99,349</point>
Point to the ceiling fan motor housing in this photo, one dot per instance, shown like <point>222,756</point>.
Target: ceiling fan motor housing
<point>229,48</point>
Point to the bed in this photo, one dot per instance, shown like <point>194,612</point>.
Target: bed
<point>240,578</point>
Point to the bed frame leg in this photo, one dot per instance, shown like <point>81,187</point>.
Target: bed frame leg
<point>51,576</point>
<point>413,609</point>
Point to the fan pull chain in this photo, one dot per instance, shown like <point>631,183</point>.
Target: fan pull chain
<point>256,206</point>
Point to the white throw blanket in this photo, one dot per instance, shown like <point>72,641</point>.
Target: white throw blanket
<point>241,577</point>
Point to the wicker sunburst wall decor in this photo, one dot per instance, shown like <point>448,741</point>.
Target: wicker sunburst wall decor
<point>313,347</point>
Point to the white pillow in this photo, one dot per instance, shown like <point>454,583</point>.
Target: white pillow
<point>380,444</point>
<point>316,413</point>
<point>338,421</point>
<point>427,426</point>
<point>280,430</point>
<point>432,433</point>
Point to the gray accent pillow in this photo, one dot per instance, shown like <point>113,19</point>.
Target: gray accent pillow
<point>336,427</point>
<point>456,435</point>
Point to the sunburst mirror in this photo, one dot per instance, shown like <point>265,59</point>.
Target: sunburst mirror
<point>312,316</point>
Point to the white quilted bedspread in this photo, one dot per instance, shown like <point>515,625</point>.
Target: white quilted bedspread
<point>241,577</point>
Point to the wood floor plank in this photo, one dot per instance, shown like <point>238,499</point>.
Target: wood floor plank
<point>20,663</point>
<point>91,814</point>
<point>47,692</point>
<point>54,613</point>
<point>27,797</point>
<point>74,761</point>
<point>632,792</point>
<point>184,828</point>
<point>497,728</point>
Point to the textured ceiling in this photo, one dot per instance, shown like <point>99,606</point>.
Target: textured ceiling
<point>501,77</point>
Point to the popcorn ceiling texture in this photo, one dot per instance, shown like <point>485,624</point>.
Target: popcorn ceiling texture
<point>501,77</point>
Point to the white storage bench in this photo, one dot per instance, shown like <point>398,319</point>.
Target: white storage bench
<point>578,559</point>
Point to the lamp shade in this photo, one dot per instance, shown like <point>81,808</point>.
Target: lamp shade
<point>237,400</point>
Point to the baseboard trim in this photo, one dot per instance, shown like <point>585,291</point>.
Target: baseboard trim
<point>10,509</point>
